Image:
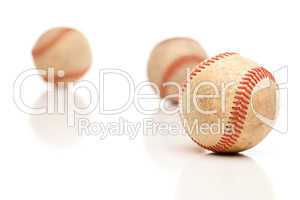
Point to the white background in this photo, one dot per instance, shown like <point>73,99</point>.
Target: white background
<point>42,159</point>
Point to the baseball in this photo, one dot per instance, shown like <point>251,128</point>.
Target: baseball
<point>228,103</point>
<point>65,50</point>
<point>168,63</point>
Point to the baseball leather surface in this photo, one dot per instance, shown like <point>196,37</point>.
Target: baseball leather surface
<point>169,61</point>
<point>229,103</point>
<point>63,49</point>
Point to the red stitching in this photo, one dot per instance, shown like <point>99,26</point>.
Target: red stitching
<point>236,124</point>
<point>240,106</point>
<point>252,77</point>
<point>241,99</point>
<point>228,140</point>
<point>245,89</point>
<point>249,80</point>
<point>238,115</point>
<point>247,84</point>
<point>194,72</point>
<point>254,74</point>
<point>239,109</point>
<point>243,94</point>
<point>258,73</point>
<point>240,103</point>
<point>203,65</point>
<point>236,118</point>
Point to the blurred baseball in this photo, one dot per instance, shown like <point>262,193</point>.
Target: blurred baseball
<point>66,50</point>
<point>169,61</point>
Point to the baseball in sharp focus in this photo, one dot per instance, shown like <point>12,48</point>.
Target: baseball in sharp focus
<point>228,103</point>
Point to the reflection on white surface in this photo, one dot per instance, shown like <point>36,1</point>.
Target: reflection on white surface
<point>166,148</point>
<point>53,128</point>
<point>213,177</point>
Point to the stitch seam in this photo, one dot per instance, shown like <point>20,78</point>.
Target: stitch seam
<point>196,70</point>
<point>194,73</point>
<point>240,104</point>
<point>238,116</point>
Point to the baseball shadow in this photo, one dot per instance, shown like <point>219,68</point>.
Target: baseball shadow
<point>171,148</point>
<point>55,128</point>
<point>218,177</point>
